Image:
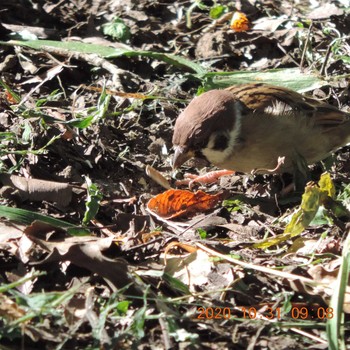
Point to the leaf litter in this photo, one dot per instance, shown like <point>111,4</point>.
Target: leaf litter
<point>81,118</point>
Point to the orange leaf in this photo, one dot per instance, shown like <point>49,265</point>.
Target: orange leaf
<point>239,22</point>
<point>176,203</point>
<point>10,98</point>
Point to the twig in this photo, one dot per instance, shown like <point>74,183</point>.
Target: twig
<point>287,53</point>
<point>305,46</point>
<point>328,53</point>
<point>263,269</point>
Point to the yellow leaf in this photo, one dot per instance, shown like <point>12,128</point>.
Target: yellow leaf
<point>326,185</point>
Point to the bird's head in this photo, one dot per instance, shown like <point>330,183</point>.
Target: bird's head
<point>208,128</point>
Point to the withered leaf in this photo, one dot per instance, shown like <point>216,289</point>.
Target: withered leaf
<point>175,203</point>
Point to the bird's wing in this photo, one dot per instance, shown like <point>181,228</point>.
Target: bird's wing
<point>274,100</point>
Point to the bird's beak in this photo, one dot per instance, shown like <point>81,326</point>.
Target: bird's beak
<point>181,156</point>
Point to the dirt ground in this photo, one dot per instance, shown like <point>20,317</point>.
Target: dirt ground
<point>111,274</point>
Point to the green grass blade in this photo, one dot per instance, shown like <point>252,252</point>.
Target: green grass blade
<point>291,78</point>
<point>335,332</point>
<point>107,52</point>
<point>26,217</point>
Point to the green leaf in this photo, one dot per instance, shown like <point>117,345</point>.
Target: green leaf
<point>27,217</point>
<point>202,233</point>
<point>308,209</point>
<point>139,318</point>
<point>122,307</point>
<point>217,11</point>
<point>107,52</point>
<point>77,231</point>
<point>291,78</point>
<point>344,196</point>
<point>345,59</point>
<point>117,29</point>
<point>176,61</point>
<point>33,275</point>
<point>176,284</point>
<point>233,205</point>
<point>322,217</point>
<point>43,303</point>
<point>102,105</point>
<point>93,201</point>
<point>27,132</point>
<point>16,97</point>
<point>7,136</point>
<point>313,198</point>
<point>80,123</point>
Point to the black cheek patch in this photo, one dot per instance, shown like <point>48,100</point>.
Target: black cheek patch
<point>220,143</point>
<point>199,154</point>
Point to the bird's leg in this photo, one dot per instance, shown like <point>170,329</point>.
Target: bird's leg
<point>301,173</point>
<point>280,162</point>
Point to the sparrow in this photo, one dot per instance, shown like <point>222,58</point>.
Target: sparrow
<point>258,128</point>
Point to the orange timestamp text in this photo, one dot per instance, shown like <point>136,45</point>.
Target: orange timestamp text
<point>226,313</point>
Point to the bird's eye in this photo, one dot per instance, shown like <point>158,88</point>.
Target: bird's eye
<point>220,142</point>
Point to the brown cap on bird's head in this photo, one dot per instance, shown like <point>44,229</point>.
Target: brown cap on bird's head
<point>207,113</point>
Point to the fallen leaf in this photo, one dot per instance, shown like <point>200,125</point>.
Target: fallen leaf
<point>10,231</point>
<point>172,245</point>
<point>175,203</point>
<point>239,22</point>
<point>86,252</point>
<point>325,11</point>
<point>39,190</point>
<point>269,24</point>
<point>9,310</point>
<point>10,98</point>
<point>156,176</point>
<point>197,270</point>
<point>313,198</point>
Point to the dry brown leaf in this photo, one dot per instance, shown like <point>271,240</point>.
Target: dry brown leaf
<point>172,245</point>
<point>328,274</point>
<point>86,252</point>
<point>10,231</point>
<point>325,280</point>
<point>9,310</point>
<point>39,190</point>
<point>175,203</point>
<point>199,272</point>
<point>115,93</point>
<point>75,310</point>
<point>156,176</point>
